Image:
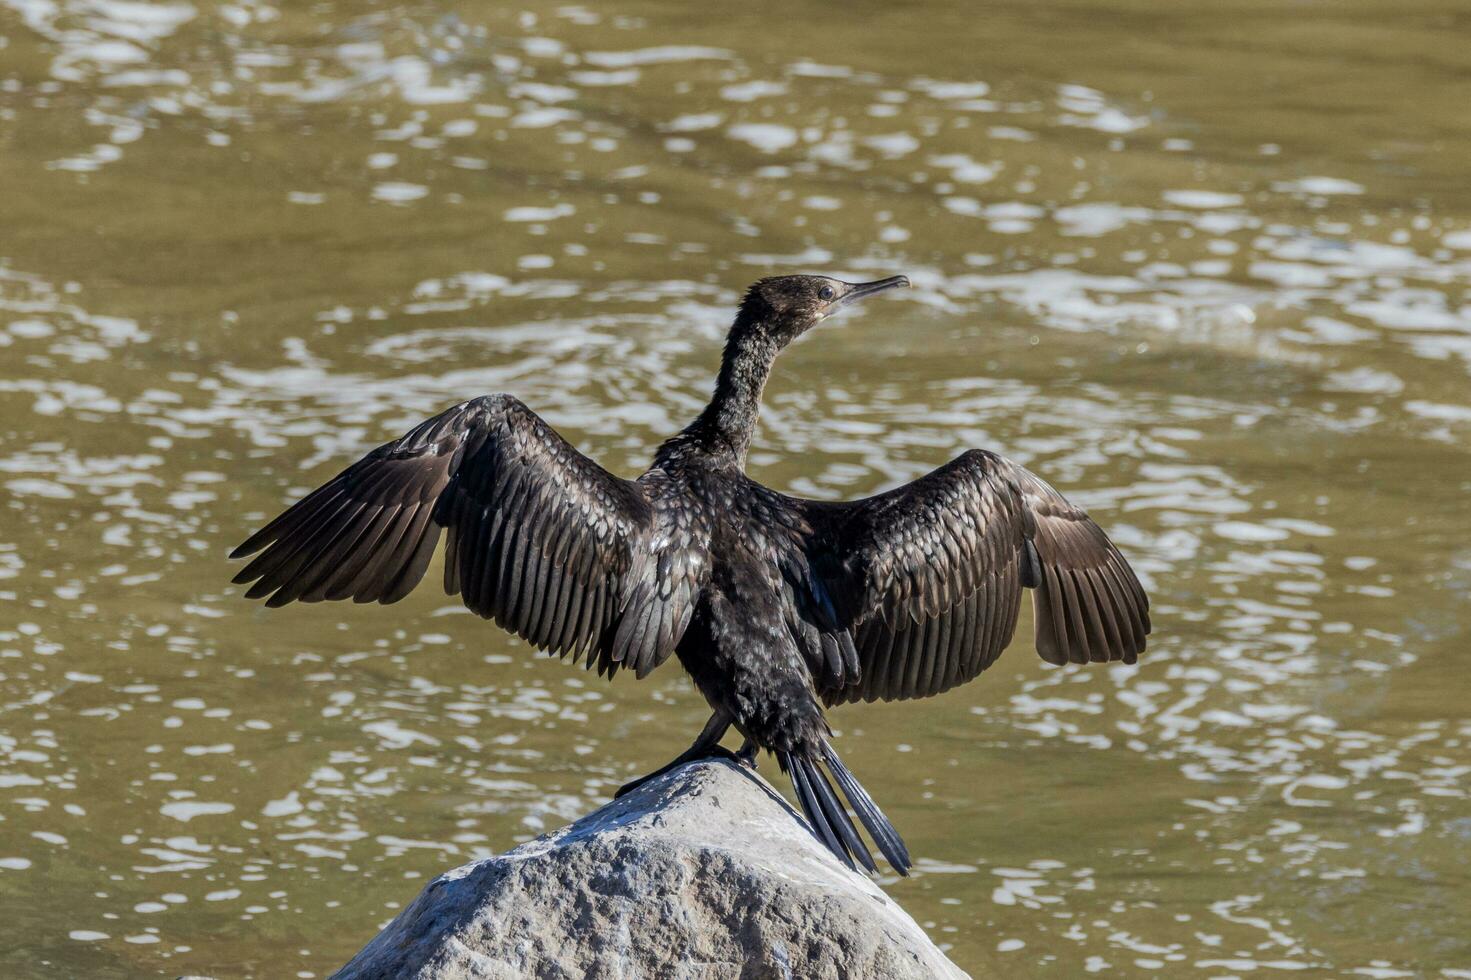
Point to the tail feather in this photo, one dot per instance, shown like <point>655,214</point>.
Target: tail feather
<point>883,833</point>
<point>803,776</point>
<point>843,823</point>
<point>830,820</point>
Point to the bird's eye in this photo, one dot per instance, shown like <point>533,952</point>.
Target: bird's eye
<point>826,293</point>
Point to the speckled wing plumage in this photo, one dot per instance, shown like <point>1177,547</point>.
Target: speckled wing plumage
<point>928,578</point>
<point>541,539</point>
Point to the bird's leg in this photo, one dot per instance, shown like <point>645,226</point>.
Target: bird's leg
<point>705,746</point>
<point>746,755</point>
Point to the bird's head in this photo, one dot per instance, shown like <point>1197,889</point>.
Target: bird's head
<point>782,308</point>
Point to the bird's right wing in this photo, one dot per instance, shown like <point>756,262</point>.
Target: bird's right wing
<point>541,539</point>
<point>928,577</point>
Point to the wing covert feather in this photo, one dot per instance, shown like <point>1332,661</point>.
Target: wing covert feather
<point>927,578</point>
<point>542,539</point>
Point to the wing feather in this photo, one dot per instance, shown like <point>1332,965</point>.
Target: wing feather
<point>927,579</point>
<point>541,539</point>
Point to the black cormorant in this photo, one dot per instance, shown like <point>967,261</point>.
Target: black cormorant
<point>776,606</point>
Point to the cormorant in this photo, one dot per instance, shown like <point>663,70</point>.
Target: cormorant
<point>776,606</point>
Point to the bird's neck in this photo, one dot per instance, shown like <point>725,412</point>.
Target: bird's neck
<point>725,428</point>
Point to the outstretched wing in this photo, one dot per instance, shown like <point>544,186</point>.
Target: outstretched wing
<point>541,539</point>
<point>928,578</point>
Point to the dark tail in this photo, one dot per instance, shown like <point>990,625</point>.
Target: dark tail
<point>830,821</point>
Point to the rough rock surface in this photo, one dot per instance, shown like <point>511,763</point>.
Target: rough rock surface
<point>704,872</point>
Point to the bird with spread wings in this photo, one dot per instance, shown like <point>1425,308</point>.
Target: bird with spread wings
<point>778,607</point>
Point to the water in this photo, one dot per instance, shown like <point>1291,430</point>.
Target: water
<point>1206,267</point>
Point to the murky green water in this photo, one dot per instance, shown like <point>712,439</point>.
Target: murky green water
<point>1206,266</point>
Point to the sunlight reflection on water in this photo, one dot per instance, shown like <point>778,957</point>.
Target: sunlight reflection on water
<point>1248,359</point>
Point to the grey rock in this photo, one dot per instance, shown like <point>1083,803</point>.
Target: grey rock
<point>704,872</point>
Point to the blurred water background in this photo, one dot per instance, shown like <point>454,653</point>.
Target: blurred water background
<point>1205,265</point>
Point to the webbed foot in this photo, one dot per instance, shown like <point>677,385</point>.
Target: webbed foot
<point>706,746</point>
<point>714,752</point>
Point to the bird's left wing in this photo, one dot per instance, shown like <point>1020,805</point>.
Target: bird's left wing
<point>927,578</point>
<point>541,538</point>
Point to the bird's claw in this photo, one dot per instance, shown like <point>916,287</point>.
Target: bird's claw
<point>745,757</point>
<point>630,786</point>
